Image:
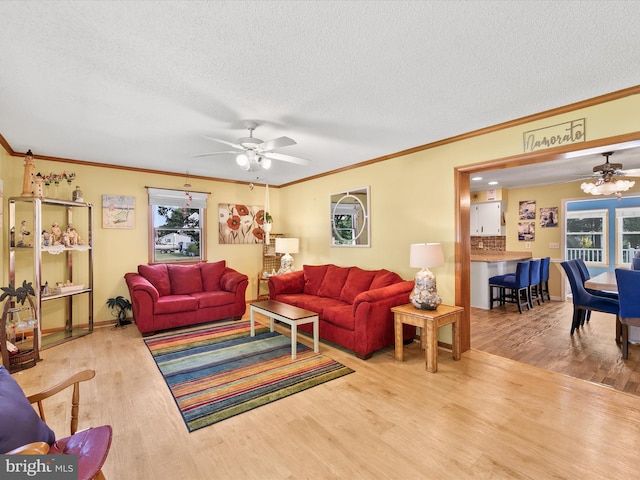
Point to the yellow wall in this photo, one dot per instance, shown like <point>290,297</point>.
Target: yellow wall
<point>412,200</point>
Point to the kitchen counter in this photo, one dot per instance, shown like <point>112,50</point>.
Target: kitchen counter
<point>486,264</point>
<point>494,256</point>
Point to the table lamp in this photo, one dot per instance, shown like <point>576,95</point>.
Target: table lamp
<point>286,246</point>
<point>425,255</point>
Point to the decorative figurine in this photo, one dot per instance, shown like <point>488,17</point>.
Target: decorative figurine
<point>22,241</point>
<point>56,234</point>
<point>46,238</point>
<point>77,195</point>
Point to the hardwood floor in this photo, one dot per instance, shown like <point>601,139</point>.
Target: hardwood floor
<point>540,337</point>
<point>481,417</point>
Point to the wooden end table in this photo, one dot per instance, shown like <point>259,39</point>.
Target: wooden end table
<point>429,321</point>
<point>292,316</point>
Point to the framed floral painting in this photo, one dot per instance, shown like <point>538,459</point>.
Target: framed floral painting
<point>240,223</point>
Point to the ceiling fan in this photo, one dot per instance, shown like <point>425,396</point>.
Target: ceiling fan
<point>607,181</point>
<point>256,153</point>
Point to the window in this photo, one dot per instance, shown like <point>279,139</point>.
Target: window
<point>176,232</point>
<point>586,235</point>
<point>627,233</point>
<point>345,224</point>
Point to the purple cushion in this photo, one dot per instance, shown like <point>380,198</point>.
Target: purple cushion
<point>19,422</point>
<point>157,276</point>
<point>185,279</point>
<point>211,275</point>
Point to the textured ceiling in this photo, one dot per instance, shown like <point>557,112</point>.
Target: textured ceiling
<point>140,83</point>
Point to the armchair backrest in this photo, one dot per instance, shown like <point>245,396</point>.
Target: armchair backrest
<point>544,269</point>
<point>628,281</point>
<point>534,271</point>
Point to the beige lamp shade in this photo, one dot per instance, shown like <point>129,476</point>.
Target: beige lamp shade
<point>287,245</point>
<point>425,255</point>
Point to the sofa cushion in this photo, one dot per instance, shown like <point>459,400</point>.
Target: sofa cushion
<point>313,275</point>
<point>214,299</point>
<point>211,274</point>
<point>384,278</point>
<point>320,304</point>
<point>357,282</point>
<point>185,279</point>
<point>175,304</point>
<point>19,422</point>
<point>341,316</point>
<point>333,282</point>
<point>158,276</point>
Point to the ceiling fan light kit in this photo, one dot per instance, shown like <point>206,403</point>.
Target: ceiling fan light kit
<point>607,183</point>
<point>255,153</point>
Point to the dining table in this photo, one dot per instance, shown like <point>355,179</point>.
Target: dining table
<point>604,281</point>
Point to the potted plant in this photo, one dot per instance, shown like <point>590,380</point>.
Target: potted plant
<point>267,224</point>
<point>119,306</point>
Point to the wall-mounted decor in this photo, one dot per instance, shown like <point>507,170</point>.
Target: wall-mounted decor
<point>555,135</point>
<point>240,223</point>
<point>526,231</point>
<point>350,220</point>
<point>549,217</point>
<point>527,210</point>
<point>118,211</point>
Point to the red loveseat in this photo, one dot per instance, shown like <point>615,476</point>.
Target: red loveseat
<point>353,305</point>
<point>168,296</point>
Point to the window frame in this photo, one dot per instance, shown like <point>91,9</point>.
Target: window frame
<point>604,234</point>
<point>622,213</point>
<point>177,199</point>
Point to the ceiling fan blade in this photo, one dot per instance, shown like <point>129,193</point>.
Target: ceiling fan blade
<point>212,153</point>
<point>286,158</point>
<point>276,143</point>
<point>224,142</point>
<point>631,172</point>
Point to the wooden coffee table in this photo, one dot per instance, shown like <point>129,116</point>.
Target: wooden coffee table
<point>292,316</point>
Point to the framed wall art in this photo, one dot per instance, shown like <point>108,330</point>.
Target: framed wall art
<point>527,210</point>
<point>240,224</point>
<point>118,211</point>
<point>549,217</point>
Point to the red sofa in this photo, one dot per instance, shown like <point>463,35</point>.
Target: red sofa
<point>353,305</point>
<point>168,296</point>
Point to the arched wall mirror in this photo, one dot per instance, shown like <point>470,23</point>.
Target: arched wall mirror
<point>350,225</point>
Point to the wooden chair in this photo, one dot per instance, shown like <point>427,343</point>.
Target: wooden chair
<point>90,445</point>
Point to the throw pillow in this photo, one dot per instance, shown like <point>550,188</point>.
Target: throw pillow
<point>19,422</point>
<point>357,282</point>
<point>333,282</point>
<point>313,275</point>
<point>157,276</point>
<point>211,275</point>
<point>385,278</point>
<point>185,279</point>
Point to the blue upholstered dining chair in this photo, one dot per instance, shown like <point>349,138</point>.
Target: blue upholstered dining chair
<point>544,278</point>
<point>635,263</point>
<point>584,273</point>
<point>534,281</point>
<point>512,287</point>
<point>628,281</point>
<point>584,301</point>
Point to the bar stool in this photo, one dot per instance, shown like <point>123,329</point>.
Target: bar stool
<point>544,278</point>
<point>534,281</point>
<point>517,285</point>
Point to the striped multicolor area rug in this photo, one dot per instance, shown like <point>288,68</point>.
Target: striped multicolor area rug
<point>220,371</point>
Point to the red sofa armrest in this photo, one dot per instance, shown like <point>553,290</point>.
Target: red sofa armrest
<point>139,285</point>
<point>396,294</point>
<point>231,280</point>
<point>143,299</point>
<point>288,283</point>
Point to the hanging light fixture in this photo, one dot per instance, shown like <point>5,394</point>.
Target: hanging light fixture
<point>607,184</point>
